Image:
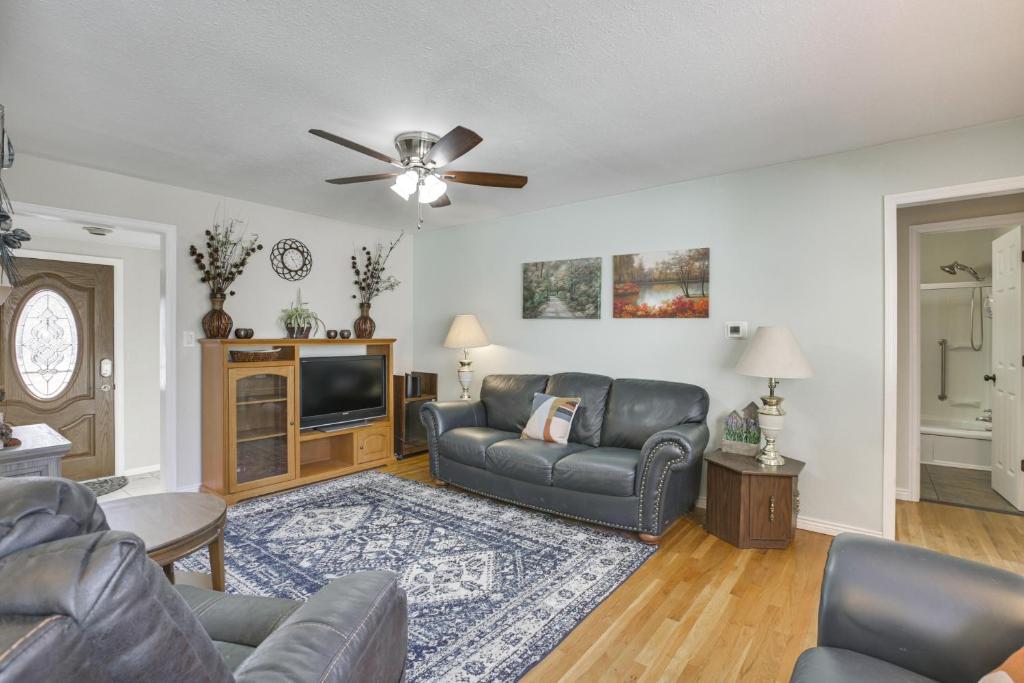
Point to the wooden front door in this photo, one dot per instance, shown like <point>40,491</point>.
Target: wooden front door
<point>56,358</point>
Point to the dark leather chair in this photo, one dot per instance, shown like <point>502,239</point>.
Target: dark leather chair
<point>633,460</point>
<point>892,612</point>
<point>79,602</point>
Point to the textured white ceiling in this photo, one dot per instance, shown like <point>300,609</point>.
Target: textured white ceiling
<point>587,97</point>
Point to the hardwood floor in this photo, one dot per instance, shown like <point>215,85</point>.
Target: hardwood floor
<point>702,610</point>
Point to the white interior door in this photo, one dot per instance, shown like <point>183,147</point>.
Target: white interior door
<point>1007,479</point>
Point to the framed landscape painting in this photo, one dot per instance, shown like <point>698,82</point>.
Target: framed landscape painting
<point>662,284</point>
<point>562,289</point>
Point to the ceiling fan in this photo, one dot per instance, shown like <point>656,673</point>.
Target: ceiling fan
<point>422,157</point>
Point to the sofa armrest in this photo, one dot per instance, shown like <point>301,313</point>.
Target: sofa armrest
<point>672,455</point>
<point>937,615</point>
<point>353,629</point>
<point>448,415</point>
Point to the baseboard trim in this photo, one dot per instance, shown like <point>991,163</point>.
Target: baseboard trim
<point>959,465</point>
<point>188,488</point>
<point>818,526</point>
<point>821,526</point>
<point>134,471</point>
<point>904,494</point>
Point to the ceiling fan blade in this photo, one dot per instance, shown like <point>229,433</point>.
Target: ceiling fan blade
<point>441,201</point>
<point>361,178</point>
<point>487,179</point>
<point>453,145</point>
<point>355,146</point>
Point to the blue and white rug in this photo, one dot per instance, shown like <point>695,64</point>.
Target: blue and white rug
<point>492,587</point>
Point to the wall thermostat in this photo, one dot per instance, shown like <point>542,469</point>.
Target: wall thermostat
<point>736,330</point>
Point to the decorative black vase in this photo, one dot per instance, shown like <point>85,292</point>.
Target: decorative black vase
<point>217,323</point>
<point>298,332</point>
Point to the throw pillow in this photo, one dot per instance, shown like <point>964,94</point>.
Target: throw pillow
<point>1010,671</point>
<point>551,418</point>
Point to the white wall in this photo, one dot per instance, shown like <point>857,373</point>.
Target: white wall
<point>139,379</point>
<point>798,244</point>
<point>261,294</point>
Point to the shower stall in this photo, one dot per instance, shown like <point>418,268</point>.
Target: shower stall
<point>955,356</point>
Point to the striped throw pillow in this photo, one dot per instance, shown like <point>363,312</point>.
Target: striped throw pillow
<point>551,418</point>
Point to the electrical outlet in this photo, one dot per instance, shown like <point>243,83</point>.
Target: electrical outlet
<point>189,338</point>
<point>736,330</point>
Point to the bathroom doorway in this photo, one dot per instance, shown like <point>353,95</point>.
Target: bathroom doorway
<point>964,347</point>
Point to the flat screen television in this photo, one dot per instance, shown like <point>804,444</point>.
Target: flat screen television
<point>341,389</point>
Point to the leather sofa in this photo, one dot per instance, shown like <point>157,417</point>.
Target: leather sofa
<point>633,460</point>
<point>79,602</point>
<point>892,612</point>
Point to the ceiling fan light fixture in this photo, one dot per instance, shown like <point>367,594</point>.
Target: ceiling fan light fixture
<point>431,189</point>
<point>405,184</point>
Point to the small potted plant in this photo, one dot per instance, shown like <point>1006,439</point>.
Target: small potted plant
<point>371,282</point>
<point>225,257</point>
<point>299,321</point>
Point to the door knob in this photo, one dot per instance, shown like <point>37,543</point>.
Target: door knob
<point>990,378</point>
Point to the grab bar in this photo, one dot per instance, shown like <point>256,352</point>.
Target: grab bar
<point>942,370</point>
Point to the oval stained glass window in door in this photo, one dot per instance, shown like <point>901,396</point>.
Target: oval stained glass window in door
<point>46,343</point>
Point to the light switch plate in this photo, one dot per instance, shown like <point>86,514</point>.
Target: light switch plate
<point>189,338</point>
<point>736,330</point>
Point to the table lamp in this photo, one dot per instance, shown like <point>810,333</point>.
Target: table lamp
<point>775,354</point>
<point>465,333</point>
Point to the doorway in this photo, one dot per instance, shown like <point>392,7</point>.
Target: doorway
<point>57,358</point>
<point>961,301</point>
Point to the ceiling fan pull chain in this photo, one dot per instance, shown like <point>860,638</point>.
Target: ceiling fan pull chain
<point>419,215</point>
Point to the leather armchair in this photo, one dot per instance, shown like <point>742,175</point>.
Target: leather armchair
<point>80,602</point>
<point>895,612</point>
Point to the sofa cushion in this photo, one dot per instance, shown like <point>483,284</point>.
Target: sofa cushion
<point>527,459</point>
<point>468,444</point>
<point>837,665</point>
<point>592,391</point>
<point>508,399</point>
<point>637,408</point>
<point>609,471</point>
<point>551,418</point>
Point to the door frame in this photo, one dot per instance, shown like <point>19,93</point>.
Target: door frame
<point>912,401</point>
<point>891,203</point>
<point>168,318</point>
<point>119,383</point>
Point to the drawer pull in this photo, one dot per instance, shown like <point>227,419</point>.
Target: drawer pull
<point>771,508</point>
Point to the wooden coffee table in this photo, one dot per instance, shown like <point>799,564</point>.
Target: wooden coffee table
<point>173,526</point>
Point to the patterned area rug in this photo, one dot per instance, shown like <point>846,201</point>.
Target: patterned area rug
<point>492,588</point>
<point>102,487</point>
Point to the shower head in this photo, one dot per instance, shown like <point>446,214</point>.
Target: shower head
<point>955,266</point>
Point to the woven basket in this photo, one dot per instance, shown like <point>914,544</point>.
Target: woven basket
<point>238,356</point>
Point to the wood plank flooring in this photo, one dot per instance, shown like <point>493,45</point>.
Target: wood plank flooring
<point>702,610</point>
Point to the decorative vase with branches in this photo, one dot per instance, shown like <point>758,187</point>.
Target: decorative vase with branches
<point>226,253</point>
<point>369,266</point>
<point>298,320</point>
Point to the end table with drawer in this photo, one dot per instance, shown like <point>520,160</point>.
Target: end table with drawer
<point>751,505</point>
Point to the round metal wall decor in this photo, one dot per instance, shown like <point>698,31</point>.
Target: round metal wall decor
<point>291,259</point>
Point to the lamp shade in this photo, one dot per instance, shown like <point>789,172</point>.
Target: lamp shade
<point>774,352</point>
<point>465,333</point>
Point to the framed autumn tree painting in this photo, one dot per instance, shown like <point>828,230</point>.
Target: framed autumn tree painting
<point>662,284</point>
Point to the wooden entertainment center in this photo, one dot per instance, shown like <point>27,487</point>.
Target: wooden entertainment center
<point>252,444</point>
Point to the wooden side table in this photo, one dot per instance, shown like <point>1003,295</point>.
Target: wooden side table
<point>750,505</point>
<point>173,525</point>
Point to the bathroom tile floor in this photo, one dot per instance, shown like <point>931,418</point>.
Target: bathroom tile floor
<point>963,487</point>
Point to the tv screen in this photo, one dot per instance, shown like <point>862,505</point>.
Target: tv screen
<point>339,389</point>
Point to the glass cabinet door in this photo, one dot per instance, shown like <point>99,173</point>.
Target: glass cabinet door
<point>262,425</point>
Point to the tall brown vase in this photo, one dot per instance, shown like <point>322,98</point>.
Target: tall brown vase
<point>217,323</point>
<point>364,325</point>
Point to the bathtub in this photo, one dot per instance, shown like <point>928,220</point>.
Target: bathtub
<point>956,443</point>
